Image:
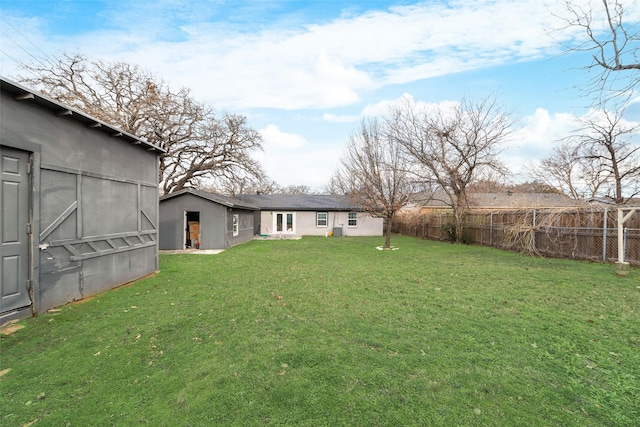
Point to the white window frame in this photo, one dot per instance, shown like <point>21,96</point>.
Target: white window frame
<point>355,219</point>
<point>236,221</point>
<point>326,219</point>
<point>285,216</point>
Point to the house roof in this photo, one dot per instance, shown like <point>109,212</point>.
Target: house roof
<point>23,94</point>
<point>229,202</point>
<point>300,202</point>
<point>522,200</point>
<point>508,200</point>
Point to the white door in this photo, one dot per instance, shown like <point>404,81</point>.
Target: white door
<point>284,222</point>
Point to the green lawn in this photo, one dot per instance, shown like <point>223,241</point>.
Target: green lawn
<point>332,332</point>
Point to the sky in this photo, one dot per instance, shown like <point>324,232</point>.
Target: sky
<point>305,73</point>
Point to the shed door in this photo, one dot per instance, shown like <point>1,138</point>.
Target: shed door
<point>14,217</point>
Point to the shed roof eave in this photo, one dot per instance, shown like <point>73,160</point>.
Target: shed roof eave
<point>214,198</point>
<point>22,93</point>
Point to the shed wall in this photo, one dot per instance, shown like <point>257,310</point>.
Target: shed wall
<point>213,220</point>
<point>95,204</point>
<point>216,223</point>
<point>245,227</point>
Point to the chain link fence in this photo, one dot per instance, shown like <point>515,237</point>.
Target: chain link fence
<point>574,234</point>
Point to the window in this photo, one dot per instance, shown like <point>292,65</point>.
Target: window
<point>322,219</point>
<point>353,219</point>
<point>235,224</point>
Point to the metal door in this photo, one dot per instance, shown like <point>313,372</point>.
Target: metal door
<point>14,237</point>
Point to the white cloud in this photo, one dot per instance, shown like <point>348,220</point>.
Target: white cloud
<point>321,65</point>
<point>535,139</point>
<point>383,108</point>
<point>333,118</point>
<point>340,62</point>
<point>276,140</point>
<point>289,159</point>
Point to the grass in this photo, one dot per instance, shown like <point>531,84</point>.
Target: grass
<point>332,332</point>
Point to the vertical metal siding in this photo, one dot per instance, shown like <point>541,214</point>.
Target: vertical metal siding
<point>95,204</point>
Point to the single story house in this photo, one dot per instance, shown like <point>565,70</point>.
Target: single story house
<point>79,204</point>
<point>312,215</point>
<point>191,218</point>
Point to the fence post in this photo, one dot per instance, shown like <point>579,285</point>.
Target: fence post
<point>534,218</point>
<point>620,236</point>
<point>604,236</point>
<point>533,232</point>
<point>491,229</point>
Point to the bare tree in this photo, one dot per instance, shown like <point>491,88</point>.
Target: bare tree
<point>374,173</point>
<point>612,40</point>
<point>604,140</point>
<point>570,173</point>
<point>453,147</point>
<point>243,184</point>
<point>296,189</point>
<point>599,159</point>
<point>199,144</point>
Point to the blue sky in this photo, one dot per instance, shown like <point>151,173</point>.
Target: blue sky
<point>306,72</point>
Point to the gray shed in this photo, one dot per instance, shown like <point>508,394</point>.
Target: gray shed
<point>192,218</point>
<point>79,204</point>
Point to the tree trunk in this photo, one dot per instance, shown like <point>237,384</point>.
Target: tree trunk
<point>387,238</point>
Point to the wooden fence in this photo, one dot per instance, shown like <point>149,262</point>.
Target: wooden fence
<point>574,234</point>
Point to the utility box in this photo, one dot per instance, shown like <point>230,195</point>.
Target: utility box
<point>337,231</point>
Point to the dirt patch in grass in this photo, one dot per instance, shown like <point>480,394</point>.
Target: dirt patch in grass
<point>80,301</point>
<point>10,327</point>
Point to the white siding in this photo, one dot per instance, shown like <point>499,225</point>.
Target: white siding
<point>305,224</point>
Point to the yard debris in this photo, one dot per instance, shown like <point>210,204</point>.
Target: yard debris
<point>5,372</point>
<point>284,367</point>
<point>10,327</point>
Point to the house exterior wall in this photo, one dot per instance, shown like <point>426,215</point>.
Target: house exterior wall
<point>216,223</point>
<point>94,204</point>
<point>305,223</point>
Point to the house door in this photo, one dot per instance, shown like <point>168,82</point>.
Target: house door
<point>284,222</point>
<point>14,237</point>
